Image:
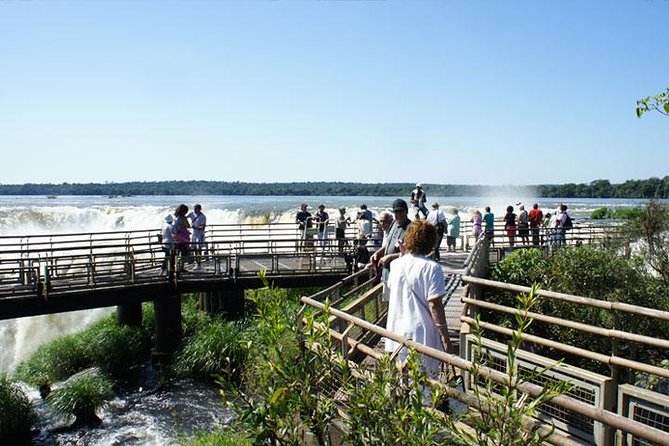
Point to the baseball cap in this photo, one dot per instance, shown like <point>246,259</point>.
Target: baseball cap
<point>400,205</point>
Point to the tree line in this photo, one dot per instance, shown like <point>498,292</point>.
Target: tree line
<point>648,188</point>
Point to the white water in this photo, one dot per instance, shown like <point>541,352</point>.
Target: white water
<point>21,215</point>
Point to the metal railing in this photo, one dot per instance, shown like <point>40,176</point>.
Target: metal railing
<point>46,264</point>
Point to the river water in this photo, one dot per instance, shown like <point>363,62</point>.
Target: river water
<point>141,417</point>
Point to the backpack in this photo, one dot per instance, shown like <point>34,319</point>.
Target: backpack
<point>568,223</point>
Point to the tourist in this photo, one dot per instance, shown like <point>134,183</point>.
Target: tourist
<point>415,308</point>
<point>383,258</point>
<point>510,225</point>
<point>477,220</point>
<point>536,218</point>
<point>548,223</point>
<point>385,222</point>
<point>418,200</point>
<point>303,220</point>
<point>340,230</point>
<point>198,223</point>
<point>437,219</point>
<point>167,241</point>
<point>321,218</point>
<point>489,220</point>
<point>364,225</point>
<point>181,234</point>
<point>562,224</point>
<point>523,225</point>
<point>453,229</point>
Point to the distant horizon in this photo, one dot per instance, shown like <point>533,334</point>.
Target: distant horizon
<point>192,180</point>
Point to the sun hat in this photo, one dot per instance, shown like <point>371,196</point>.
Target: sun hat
<point>169,218</point>
<point>419,185</point>
<point>400,205</point>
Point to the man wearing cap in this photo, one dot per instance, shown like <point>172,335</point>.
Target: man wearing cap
<point>303,220</point>
<point>418,200</point>
<point>167,240</point>
<point>437,219</point>
<point>382,258</point>
<point>198,223</point>
<point>340,231</point>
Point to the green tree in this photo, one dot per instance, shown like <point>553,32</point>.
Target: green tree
<point>659,103</point>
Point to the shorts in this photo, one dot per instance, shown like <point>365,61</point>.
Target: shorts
<point>197,238</point>
<point>511,231</point>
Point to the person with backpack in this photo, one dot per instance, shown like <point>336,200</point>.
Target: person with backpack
<point>564,223</point>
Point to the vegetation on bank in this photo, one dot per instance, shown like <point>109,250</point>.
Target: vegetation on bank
<point>646,188</point>
<point>616,214</point>
<point>16,411</point>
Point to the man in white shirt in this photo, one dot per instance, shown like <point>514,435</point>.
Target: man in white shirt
<point>198,223</point>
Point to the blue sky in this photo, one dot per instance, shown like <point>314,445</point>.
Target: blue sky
<point>452,92</point>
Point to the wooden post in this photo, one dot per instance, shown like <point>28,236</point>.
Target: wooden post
<point>129,314</point>
<point>232,302</point>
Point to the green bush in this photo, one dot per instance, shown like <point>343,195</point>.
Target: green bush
<point>115,348</point>
<point>16,410</point>
<point>616,214</point>
<point>590,272</point>
<point>217,348</point>
<point>54,361</point>
<point>104,344</point>
<point>81,395</point>
<point>222,437</point>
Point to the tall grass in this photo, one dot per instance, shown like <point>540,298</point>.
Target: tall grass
<point>81,395</point>
<point>104,344</point>
<point>216,348</point>
<point>16,411</point>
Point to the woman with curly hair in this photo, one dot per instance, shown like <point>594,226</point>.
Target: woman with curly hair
<point>417,286</point>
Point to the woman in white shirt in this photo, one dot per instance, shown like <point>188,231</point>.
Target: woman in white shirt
<point>417,287</point>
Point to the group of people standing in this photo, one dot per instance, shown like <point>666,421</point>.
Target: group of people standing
<point>178,239</point>
<point>547,229</point>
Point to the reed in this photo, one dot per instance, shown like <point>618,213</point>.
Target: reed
<point>82,395</point>
<point>16,412</point>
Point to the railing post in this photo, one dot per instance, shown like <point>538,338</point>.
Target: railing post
<point>90,270</point>
<point>344,341</point>
<point>45,281</point>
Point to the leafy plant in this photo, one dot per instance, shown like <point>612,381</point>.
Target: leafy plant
<point>505,408</point>
<point>387,405</point>
<point>658,103</point>
<point>81,395</point>
<point>16,410</point>
<point>280,401</point>
<point>217,348</point>
<point>222,437</point>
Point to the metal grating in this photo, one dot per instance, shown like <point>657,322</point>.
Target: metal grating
<point>645,406</point>
<point>588,387</point>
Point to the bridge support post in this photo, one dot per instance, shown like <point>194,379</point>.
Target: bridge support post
<point>129,314</point>
<point>232,302</point>
<point>168,326</point>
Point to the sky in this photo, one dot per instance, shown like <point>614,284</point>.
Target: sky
<point>447,92</point>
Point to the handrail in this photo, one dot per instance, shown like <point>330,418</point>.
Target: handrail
<point>603,416</point>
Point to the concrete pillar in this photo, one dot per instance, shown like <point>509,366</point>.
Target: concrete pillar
<point>129,314</point>
<point>168,326</point>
